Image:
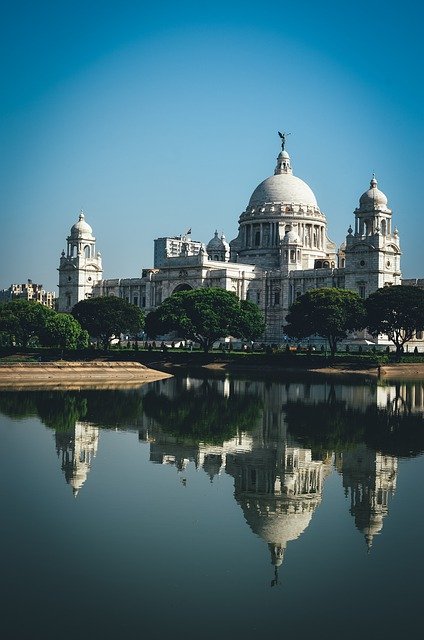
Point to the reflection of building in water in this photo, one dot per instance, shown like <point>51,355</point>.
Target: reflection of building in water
<point>369,477</point>
<point>77,448</point>
<point>278,488</point>
<point>402,397</point>
<point>167,449</point>
<point>277,483</point>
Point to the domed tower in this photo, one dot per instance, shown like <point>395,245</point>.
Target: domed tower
<point>218,248</point>
<point>291,251</point>
<point>279,203</point>
<point>372,252</point>
<point>80,268</point>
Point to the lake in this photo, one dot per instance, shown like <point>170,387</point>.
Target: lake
<point>213,507</point>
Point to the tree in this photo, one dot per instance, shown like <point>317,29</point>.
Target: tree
<point>397,312</point>
<point>62,330</point>
<point>23,320</point>
<point>250,323</point>
<point>205,315</point>
<point>107,316</point>
<point>331,313</point>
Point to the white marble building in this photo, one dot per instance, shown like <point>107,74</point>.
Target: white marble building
<point>80,267</point>
<point>282,249</point>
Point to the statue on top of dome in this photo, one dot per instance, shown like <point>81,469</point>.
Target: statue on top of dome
<point>283,138</point>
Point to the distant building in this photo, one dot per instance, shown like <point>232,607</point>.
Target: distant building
<point>281,251</point>
<point>29,291</point>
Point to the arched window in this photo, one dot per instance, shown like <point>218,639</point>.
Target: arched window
<point>182,287</point>
<point>87,251</point>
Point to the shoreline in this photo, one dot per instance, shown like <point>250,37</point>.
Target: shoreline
<point>99,374</point>
<point>386,372</point>
<point>76,375</point>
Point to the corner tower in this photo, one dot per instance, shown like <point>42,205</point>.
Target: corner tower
<point>372,249</point>
<point>80,268</point>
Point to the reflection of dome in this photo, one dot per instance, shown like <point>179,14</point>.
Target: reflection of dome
<point>278,520</point>
<point>81,228</point>
<point>283,188</point>
<point>372,528</point>
<point>373,198</point>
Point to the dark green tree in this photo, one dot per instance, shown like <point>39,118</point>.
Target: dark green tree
<point>329,312</point>
<point>62,330</point>
<point>250,323</point>
<point>23,321</point>
<point>397,312</point>
<point>108,316</point>
<point>206,315</point>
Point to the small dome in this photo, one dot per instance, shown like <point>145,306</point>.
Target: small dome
<point>373,198</point>
<point>291,237</point>
<point>81,228</point>
<point>217,243</point>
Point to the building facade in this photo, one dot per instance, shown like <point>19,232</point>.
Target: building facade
<point>29,291</point>
<point>281,251</point>
<point>80,267</point>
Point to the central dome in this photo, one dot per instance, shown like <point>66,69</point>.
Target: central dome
<point>283,188</point>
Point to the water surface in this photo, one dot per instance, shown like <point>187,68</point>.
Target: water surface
<point>203,508</point>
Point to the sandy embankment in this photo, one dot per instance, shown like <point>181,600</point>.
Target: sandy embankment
<point>76,375</point>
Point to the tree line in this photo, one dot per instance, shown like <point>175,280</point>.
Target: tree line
<point>207,315</point>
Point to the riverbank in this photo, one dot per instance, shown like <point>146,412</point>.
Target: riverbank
<point>388,372</point>
<point>73,375</point>
<point>130,368</point>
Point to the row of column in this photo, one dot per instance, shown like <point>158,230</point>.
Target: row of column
<point>366,227</point>
<point>267,234</point>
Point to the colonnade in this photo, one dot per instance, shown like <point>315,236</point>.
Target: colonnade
<point>267,234</point>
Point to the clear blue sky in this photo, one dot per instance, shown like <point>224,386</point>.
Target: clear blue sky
<point>159,116</point>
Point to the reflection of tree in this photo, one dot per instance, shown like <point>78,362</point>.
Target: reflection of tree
<point>113,408</point>
<point>395,434</point>
<point>323,426</point>
<point>203,414</point>
<point>332,425</point>
<point>61,410</point>
<point>18,405</point>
